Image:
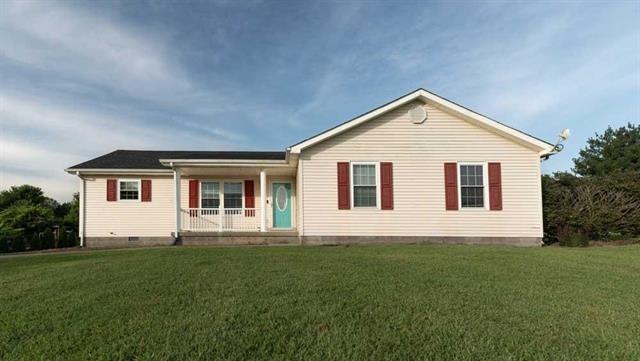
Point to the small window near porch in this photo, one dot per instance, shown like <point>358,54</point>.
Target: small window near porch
<point>210,195</point>
<point>233,195</point>
<point>129,190</point>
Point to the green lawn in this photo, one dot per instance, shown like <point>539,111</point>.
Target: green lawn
<point>320,303</point>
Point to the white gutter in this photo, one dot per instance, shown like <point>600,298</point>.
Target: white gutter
<point>219,165</point>
<point>257,162</point>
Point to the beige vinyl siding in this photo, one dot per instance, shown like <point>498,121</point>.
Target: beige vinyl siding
<point>129,218</point>
<point>418,152</point>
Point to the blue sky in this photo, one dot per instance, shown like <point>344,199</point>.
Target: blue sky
<point>80,79</point>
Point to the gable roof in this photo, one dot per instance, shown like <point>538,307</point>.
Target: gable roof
<point>157,161</point>
<point>424,95</point>
<point>150,159</point>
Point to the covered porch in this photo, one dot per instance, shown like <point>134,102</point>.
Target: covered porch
<point>216,198</point>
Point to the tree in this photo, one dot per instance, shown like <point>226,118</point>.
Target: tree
<point>72,213</point>
<point>47,239</point>
<point>579,209</point>
<point>26,193</point>
<point>602,199</point>
<point>62,239</point>
<point>27,217</point>
<point>25,220</point>
<point>611,152</point>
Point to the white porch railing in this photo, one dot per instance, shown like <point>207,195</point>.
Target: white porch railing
<point>220,219</point>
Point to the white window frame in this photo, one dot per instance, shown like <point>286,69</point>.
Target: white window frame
<point>221,191</point>
<point>220,195</point>
<point>485,187</point>
<point>241,193</point>
<point>352,185</point>
<point>139,189</point>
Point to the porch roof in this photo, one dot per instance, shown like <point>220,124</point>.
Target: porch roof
<point>153,160</point>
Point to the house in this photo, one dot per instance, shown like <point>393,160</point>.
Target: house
<point>417,169</point>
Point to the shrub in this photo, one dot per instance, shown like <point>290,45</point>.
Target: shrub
<point>4,245</point>
<point>62,238</point>
<point>47,239</point>
<point>18,244</point>
<point>72,239</point>
<point>578,209</point>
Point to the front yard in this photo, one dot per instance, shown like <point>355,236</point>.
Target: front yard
<point>318,303</point>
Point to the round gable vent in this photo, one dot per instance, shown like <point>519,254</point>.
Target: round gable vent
<point>418,114</point>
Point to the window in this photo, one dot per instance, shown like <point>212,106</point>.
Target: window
<point>129,189</point>
<point>364,185</point>
<point>472,186</point>
<point>233,195</point>
<point>282,198</point>
<point>210,195</point>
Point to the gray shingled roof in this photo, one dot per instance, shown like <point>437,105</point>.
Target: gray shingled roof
<point>150,159</point>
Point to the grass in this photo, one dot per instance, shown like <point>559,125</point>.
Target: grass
<point>320,303</point>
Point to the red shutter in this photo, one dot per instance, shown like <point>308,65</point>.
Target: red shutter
<point>343,185</point>
<point>194,186</point>
<point>112,190</point>
<point>451,186</point>
<point>495,187</point>
<point>249,199</point>
<point>194,201</point>
<point>386,185</point>
<point>146,190</point>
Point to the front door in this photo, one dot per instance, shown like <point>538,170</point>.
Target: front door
<point>281,194</point>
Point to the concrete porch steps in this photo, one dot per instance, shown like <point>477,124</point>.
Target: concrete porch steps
<point>238,238</point>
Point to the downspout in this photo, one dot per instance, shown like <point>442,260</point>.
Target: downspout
<point>81,206</point>
<point>177,180</point>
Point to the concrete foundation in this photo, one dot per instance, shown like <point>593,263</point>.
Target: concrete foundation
<point>339,240</point>
<point>124,242</point>
<point>292,238</point>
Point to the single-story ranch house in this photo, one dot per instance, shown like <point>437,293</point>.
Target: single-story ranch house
<point>418,169</point>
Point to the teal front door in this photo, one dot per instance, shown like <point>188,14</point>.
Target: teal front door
<point>281,194</point>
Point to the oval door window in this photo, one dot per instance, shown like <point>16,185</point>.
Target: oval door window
<point>281,198</point>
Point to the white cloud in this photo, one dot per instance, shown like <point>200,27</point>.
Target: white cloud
<point>73,42</point>
<point>22,163</point>
<point>59,186</point>
<point>82,129</point>
<point>83,53</point>
<point>522,64</point>
<point>39,140</point>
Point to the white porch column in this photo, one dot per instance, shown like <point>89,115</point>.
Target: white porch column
<point>263,200</point>
<point>81,201</point>
<point>176,181</point>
